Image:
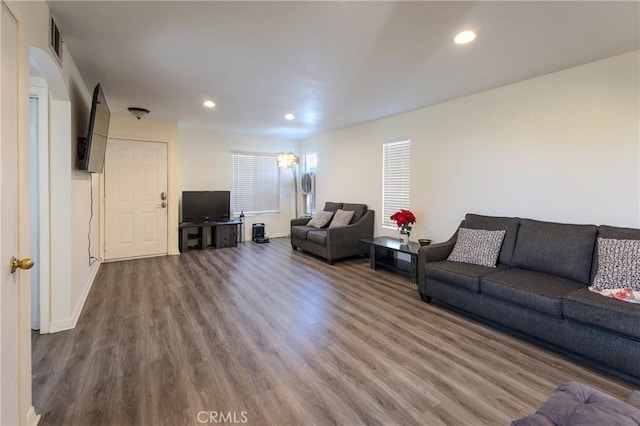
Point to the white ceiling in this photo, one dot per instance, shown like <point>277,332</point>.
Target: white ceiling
<point>331,63</point>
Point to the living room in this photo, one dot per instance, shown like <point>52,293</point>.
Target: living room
<point>558,145</point>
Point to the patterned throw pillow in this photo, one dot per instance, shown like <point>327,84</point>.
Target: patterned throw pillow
<point>341,218</point>
<point>618,264</point>
<point>320,219</point>
<point>477,246</point>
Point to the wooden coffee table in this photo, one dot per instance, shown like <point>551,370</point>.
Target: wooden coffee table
<point>384,253</point>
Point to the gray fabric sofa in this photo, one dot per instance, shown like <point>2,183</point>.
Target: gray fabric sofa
<point>334,243</point>
<point>574,403</point>
<point>539,288</point>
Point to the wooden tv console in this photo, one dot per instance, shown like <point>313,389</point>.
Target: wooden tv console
<point>209,234</point>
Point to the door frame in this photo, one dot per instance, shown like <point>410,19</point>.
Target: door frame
<point>40,90</point>
<point>170,198</point>
<point>23,407</point>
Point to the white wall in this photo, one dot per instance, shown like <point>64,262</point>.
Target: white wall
<point>205,164</point>
<point>61,213</point>
<point>126,126</point>
<point>561,147</point>
<point>70,99</point>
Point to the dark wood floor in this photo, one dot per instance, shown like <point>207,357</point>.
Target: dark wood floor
<point>263,333</point>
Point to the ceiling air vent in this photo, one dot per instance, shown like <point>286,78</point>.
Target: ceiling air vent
<point>55,39</point>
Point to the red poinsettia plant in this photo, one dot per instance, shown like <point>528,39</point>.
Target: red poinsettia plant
<point>404,219</point>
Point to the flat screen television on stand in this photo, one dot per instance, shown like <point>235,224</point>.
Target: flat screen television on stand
<point>206,206</point>
<point>91,150</point>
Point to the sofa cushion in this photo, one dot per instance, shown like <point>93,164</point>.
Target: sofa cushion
<point>603,312</point>
<point>341,218</point>
<point>332,207</point>
<point>321,219</point>
<point>358,211</point>
<point>317,237</point>
<point>477,246</point>
<point>576,404</point>
<point>555,248</point>
<point>531,289</point>
<point>300,231</point>
<point>493,223</point>
<point>618,264</point>
<point>626,294</point>
<point>465,275</point>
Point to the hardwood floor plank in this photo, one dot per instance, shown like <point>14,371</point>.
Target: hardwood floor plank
<point>286,339</point>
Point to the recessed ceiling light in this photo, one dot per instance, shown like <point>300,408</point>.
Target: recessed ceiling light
<point>209,104</point>
<point>289,116</point>
<point>465,37</point>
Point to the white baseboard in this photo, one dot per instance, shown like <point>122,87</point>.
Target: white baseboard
<point>85,293</point>
<point>174,252</point>
<point>70,322</point>
<point>32,417</point>
<point>61,325</point>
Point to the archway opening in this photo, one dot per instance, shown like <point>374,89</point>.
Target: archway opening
<point>49,189</point>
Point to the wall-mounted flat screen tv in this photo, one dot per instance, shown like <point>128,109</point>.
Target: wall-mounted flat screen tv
<point>204,206</point>
<point>91,150</point>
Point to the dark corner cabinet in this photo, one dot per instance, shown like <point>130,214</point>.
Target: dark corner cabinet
<point>205,235</point>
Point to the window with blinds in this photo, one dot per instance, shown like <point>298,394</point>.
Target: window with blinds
<point>395,178</point>
<point>256,183</point>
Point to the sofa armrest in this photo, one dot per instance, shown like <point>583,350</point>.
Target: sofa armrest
<point>345,240</point>
<point>300,221</point>
<point>361,229</point>
<point>436,252</point>
<point>351,230</point>
<point>433,253</point>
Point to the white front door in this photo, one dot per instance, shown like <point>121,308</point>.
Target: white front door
<point>10,326</point>
<point>135,199</point>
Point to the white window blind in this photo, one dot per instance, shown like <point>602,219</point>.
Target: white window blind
<point>395,178</point>
<point>310,162</point>
<point>256,183</point>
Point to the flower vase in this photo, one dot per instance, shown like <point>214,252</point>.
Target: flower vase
<point>404,239</point>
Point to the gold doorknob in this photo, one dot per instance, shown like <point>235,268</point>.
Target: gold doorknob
<point>21,263</point>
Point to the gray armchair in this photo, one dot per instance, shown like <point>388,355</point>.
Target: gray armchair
<point>334,243</point>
